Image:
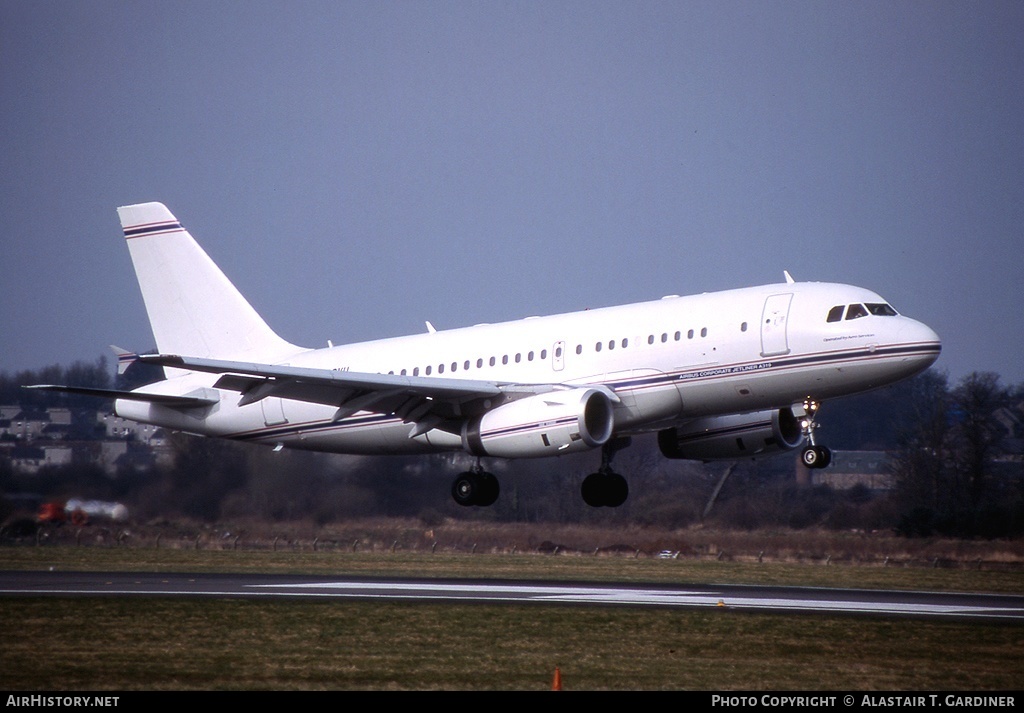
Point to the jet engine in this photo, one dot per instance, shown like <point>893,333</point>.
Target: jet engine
<point>546,424</point>
<point>745,435</point>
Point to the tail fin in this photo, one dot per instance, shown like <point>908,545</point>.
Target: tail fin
<point>193,308</point>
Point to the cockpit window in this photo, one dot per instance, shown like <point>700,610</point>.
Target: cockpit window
<point>881,309</point>
<point>856,311</point>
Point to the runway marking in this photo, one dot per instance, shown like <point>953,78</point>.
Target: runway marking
<point>820,600</point>
<point>641,597</point>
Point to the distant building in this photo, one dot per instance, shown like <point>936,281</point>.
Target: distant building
<point>34,439</point>
<point>869,469</point>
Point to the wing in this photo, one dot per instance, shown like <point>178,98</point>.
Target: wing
<point>424,402</point>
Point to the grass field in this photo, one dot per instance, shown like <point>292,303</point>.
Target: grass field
<point>57,644</point>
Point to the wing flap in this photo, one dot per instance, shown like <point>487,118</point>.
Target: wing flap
<point>423,401</point>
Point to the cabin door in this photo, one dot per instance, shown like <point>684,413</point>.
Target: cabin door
<point>773,325</point>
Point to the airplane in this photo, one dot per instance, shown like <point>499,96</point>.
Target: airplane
<point>723,375</point>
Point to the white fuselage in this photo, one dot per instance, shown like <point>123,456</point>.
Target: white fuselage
<point>667,361</point>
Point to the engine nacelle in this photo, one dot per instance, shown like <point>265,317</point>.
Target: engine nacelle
<point>745,435</point>
<point>547,424</point>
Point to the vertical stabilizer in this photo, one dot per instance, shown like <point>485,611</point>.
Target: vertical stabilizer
<point>193,308</point>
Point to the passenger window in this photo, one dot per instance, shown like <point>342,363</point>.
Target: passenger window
<point>856,312</point>
<point>836,313</point>
<point>625,343</point>
<point>650,339</point>
<point>579,348</point>
<point>479,363</point>
<point>704,331</point>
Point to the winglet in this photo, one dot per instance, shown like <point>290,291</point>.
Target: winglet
<point>789,278</point>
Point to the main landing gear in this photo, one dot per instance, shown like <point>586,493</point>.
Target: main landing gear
<point>813,455</point>
<point>606,487</point>
<point>475,487</point>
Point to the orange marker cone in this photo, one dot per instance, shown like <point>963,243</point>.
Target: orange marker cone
<point>556,685</point>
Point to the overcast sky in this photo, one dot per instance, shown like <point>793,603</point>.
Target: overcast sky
<point>359,167</point>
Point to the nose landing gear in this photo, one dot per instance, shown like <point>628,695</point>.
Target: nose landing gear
<point>813,455</point>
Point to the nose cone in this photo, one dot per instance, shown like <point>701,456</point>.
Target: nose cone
<point>921,342</point>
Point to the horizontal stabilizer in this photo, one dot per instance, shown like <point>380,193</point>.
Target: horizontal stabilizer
<point>125,358</point>
<point>162,399</point>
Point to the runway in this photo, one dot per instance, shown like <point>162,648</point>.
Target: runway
<point>793,600</point>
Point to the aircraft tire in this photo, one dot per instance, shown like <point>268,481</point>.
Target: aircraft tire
<point>616,490</point>
<point>816,457</point>
<point>489,489</point>
<point>604,489</point>
<point>591,490</point>
<point>465,488</point>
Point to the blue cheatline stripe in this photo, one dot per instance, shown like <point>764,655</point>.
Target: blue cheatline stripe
<point>659,381</point>
<point>136,231</point>
<point>773,365</point>
<point>526,427</point>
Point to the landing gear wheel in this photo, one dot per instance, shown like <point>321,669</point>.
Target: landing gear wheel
<point>591,490</point>
<point>464,489</point>
<point>616,490</point>
<point>816,457</point>
<point>475,487</point>
<point>604,489</point>
<point>489,489</point>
